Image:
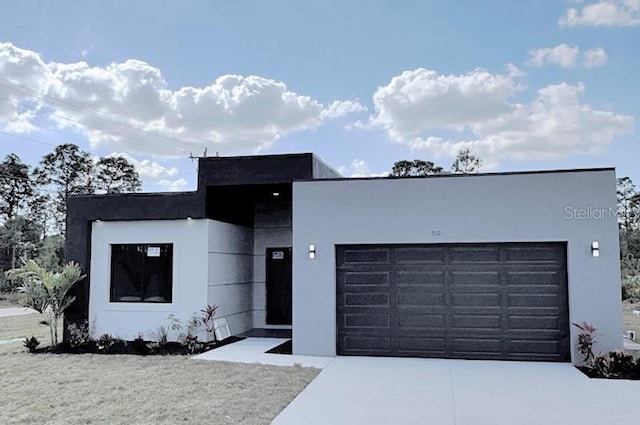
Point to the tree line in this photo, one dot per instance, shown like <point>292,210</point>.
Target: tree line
<point>33,201</point>
<point>33,204</point>
<point>629,220</point>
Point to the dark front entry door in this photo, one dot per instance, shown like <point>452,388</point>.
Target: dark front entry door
<point>279,286</point>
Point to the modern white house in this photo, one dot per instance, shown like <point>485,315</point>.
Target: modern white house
<point>479,266</point>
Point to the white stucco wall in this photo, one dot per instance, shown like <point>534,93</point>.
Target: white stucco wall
<point>190,258</point>
<point>230,275</point>
<point>457,209</point>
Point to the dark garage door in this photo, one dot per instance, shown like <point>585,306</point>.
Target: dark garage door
<point>470,301</point>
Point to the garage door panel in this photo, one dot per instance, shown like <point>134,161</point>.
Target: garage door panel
<point>366,299</point>
<point>476,345</point>
<point>471,278</point>
<point>475,254</point>
<point>482,301</point>
<point>532,300</point>
<point>535,279</point>
<point>419,278</point>
<point>420,299</point>
<point>534,346</point>
<point>476,299</point>
<point>432,255</point>
<point>422,321</point>
<point>367,256</point>
<point>435,346</point>
<point>533,322</point>
<point>367,320</point>
<point>367,344</point>
<point>534,253</point>
<point>481,321</point>
<point>367,278</point>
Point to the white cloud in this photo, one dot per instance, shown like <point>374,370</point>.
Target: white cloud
<point>359,168</point>
<point>173,185</point>
<point>556,123</point>
<point>422,99</point>
<point>129,107</point>
<point>594,58</point>
<point>567,57</point>
<point>623,13</point>
<point>147,169</point>
<point>561,55</point>
<point>341,108</point>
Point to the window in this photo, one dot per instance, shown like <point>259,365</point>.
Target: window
<point>141,273</point>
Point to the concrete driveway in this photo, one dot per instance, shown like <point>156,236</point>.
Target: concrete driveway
<point>390,391</point>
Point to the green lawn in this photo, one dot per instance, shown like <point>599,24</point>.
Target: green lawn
<point>8,300</point>
<point>631,321</point>
<point>124,389</point>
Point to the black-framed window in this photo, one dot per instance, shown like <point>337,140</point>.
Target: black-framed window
<point>141,273</point>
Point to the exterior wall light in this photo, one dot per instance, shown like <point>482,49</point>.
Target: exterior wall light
<point>595,248</point>
<point>312,252</point>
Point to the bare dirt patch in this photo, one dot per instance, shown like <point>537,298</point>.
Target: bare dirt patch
<point>124,389</point>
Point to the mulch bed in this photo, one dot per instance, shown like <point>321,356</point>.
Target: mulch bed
<point>284,348</point>
<point>592,374</point>
<point>139,347</point>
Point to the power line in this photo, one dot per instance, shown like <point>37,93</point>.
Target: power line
<point>26,138</point>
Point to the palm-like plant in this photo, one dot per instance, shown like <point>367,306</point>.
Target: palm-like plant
<point>46,292</point>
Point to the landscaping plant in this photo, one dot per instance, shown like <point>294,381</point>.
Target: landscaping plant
<point>46,291</point>
<point>31,344</point>
<point>207,320</point>
<point>586,341</point>
<point>615,364</point>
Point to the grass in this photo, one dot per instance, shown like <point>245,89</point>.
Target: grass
<point>124,389</point>
<point>21,327</point>
<point>86,389</point>
<point>9,299</point>
<point>631,321</point>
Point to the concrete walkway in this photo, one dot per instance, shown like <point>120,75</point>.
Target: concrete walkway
<point>253,350</point>
<point>15,311</point>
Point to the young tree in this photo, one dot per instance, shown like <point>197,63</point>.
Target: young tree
<point>18,238</point>
<point>466,162</point>
<point>417,167</point>
<point>47,292</point>
<point>16,186</point>
<point>628,203</point>
<point>114,174</point>
<point>69,170</point>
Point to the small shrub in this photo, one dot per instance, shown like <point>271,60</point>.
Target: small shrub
<point>31,344</point>
<point>615,364</point>
<point>105,341</point>
<point>631,288</point>
<point>190,337</point>
<point>207,320</point>
<point>79,335</point>
<point>160,336</point>
<point>585,341</point>
<point>139,345</point>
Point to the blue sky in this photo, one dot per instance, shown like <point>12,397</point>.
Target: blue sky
<point>544,84</point>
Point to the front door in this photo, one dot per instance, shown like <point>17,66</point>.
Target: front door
<point>278,286</point>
